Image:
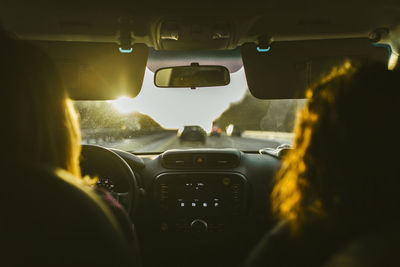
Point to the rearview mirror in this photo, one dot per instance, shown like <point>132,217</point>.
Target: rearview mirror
<point>192,76</point>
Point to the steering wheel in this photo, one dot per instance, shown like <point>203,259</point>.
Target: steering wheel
<point>111,170</point>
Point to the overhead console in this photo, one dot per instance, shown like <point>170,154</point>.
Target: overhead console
<point>191,33</point>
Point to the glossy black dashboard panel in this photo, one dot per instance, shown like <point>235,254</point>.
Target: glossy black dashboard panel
<point>206,212</point>
<point>200,201</point>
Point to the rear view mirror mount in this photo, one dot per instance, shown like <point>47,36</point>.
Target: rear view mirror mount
<point>192,76</point>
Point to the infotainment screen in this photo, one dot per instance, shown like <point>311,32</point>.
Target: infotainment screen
<point>200,194</point>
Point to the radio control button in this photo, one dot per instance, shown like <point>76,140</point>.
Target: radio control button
<point>198,226</point>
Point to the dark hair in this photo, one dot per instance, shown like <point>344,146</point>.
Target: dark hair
<point>344,164</point>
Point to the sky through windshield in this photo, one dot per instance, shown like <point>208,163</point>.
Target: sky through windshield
<point>173,108</point>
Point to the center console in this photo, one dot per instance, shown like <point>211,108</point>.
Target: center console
<point>199,201</point>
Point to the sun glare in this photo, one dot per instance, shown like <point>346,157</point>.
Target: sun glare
<point>393,61</point>
<point>124,105</point>
<point>173,108</point>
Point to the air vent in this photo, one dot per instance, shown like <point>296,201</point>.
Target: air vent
<point>201,159</point>
<point>177,161</point>
<point>222,160</point>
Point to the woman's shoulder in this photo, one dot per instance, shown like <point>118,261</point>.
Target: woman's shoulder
<point>272,247</point>
<point>280,246</point>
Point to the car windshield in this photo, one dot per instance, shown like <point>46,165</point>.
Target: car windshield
<point>159,119</point>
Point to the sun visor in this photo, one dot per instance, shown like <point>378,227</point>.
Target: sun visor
<point>98,71</point>
<point>287,69</point>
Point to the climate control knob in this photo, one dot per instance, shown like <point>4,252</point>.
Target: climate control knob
<point>198,226</point>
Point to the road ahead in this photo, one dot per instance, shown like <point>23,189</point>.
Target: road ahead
<point>164,141</point>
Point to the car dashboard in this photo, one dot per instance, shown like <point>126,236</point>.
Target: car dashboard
<point>200,207</point>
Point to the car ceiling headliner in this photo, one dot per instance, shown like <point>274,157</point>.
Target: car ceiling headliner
<point>231,59</point>
<point>74,32</point>
<point>97,21</point>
